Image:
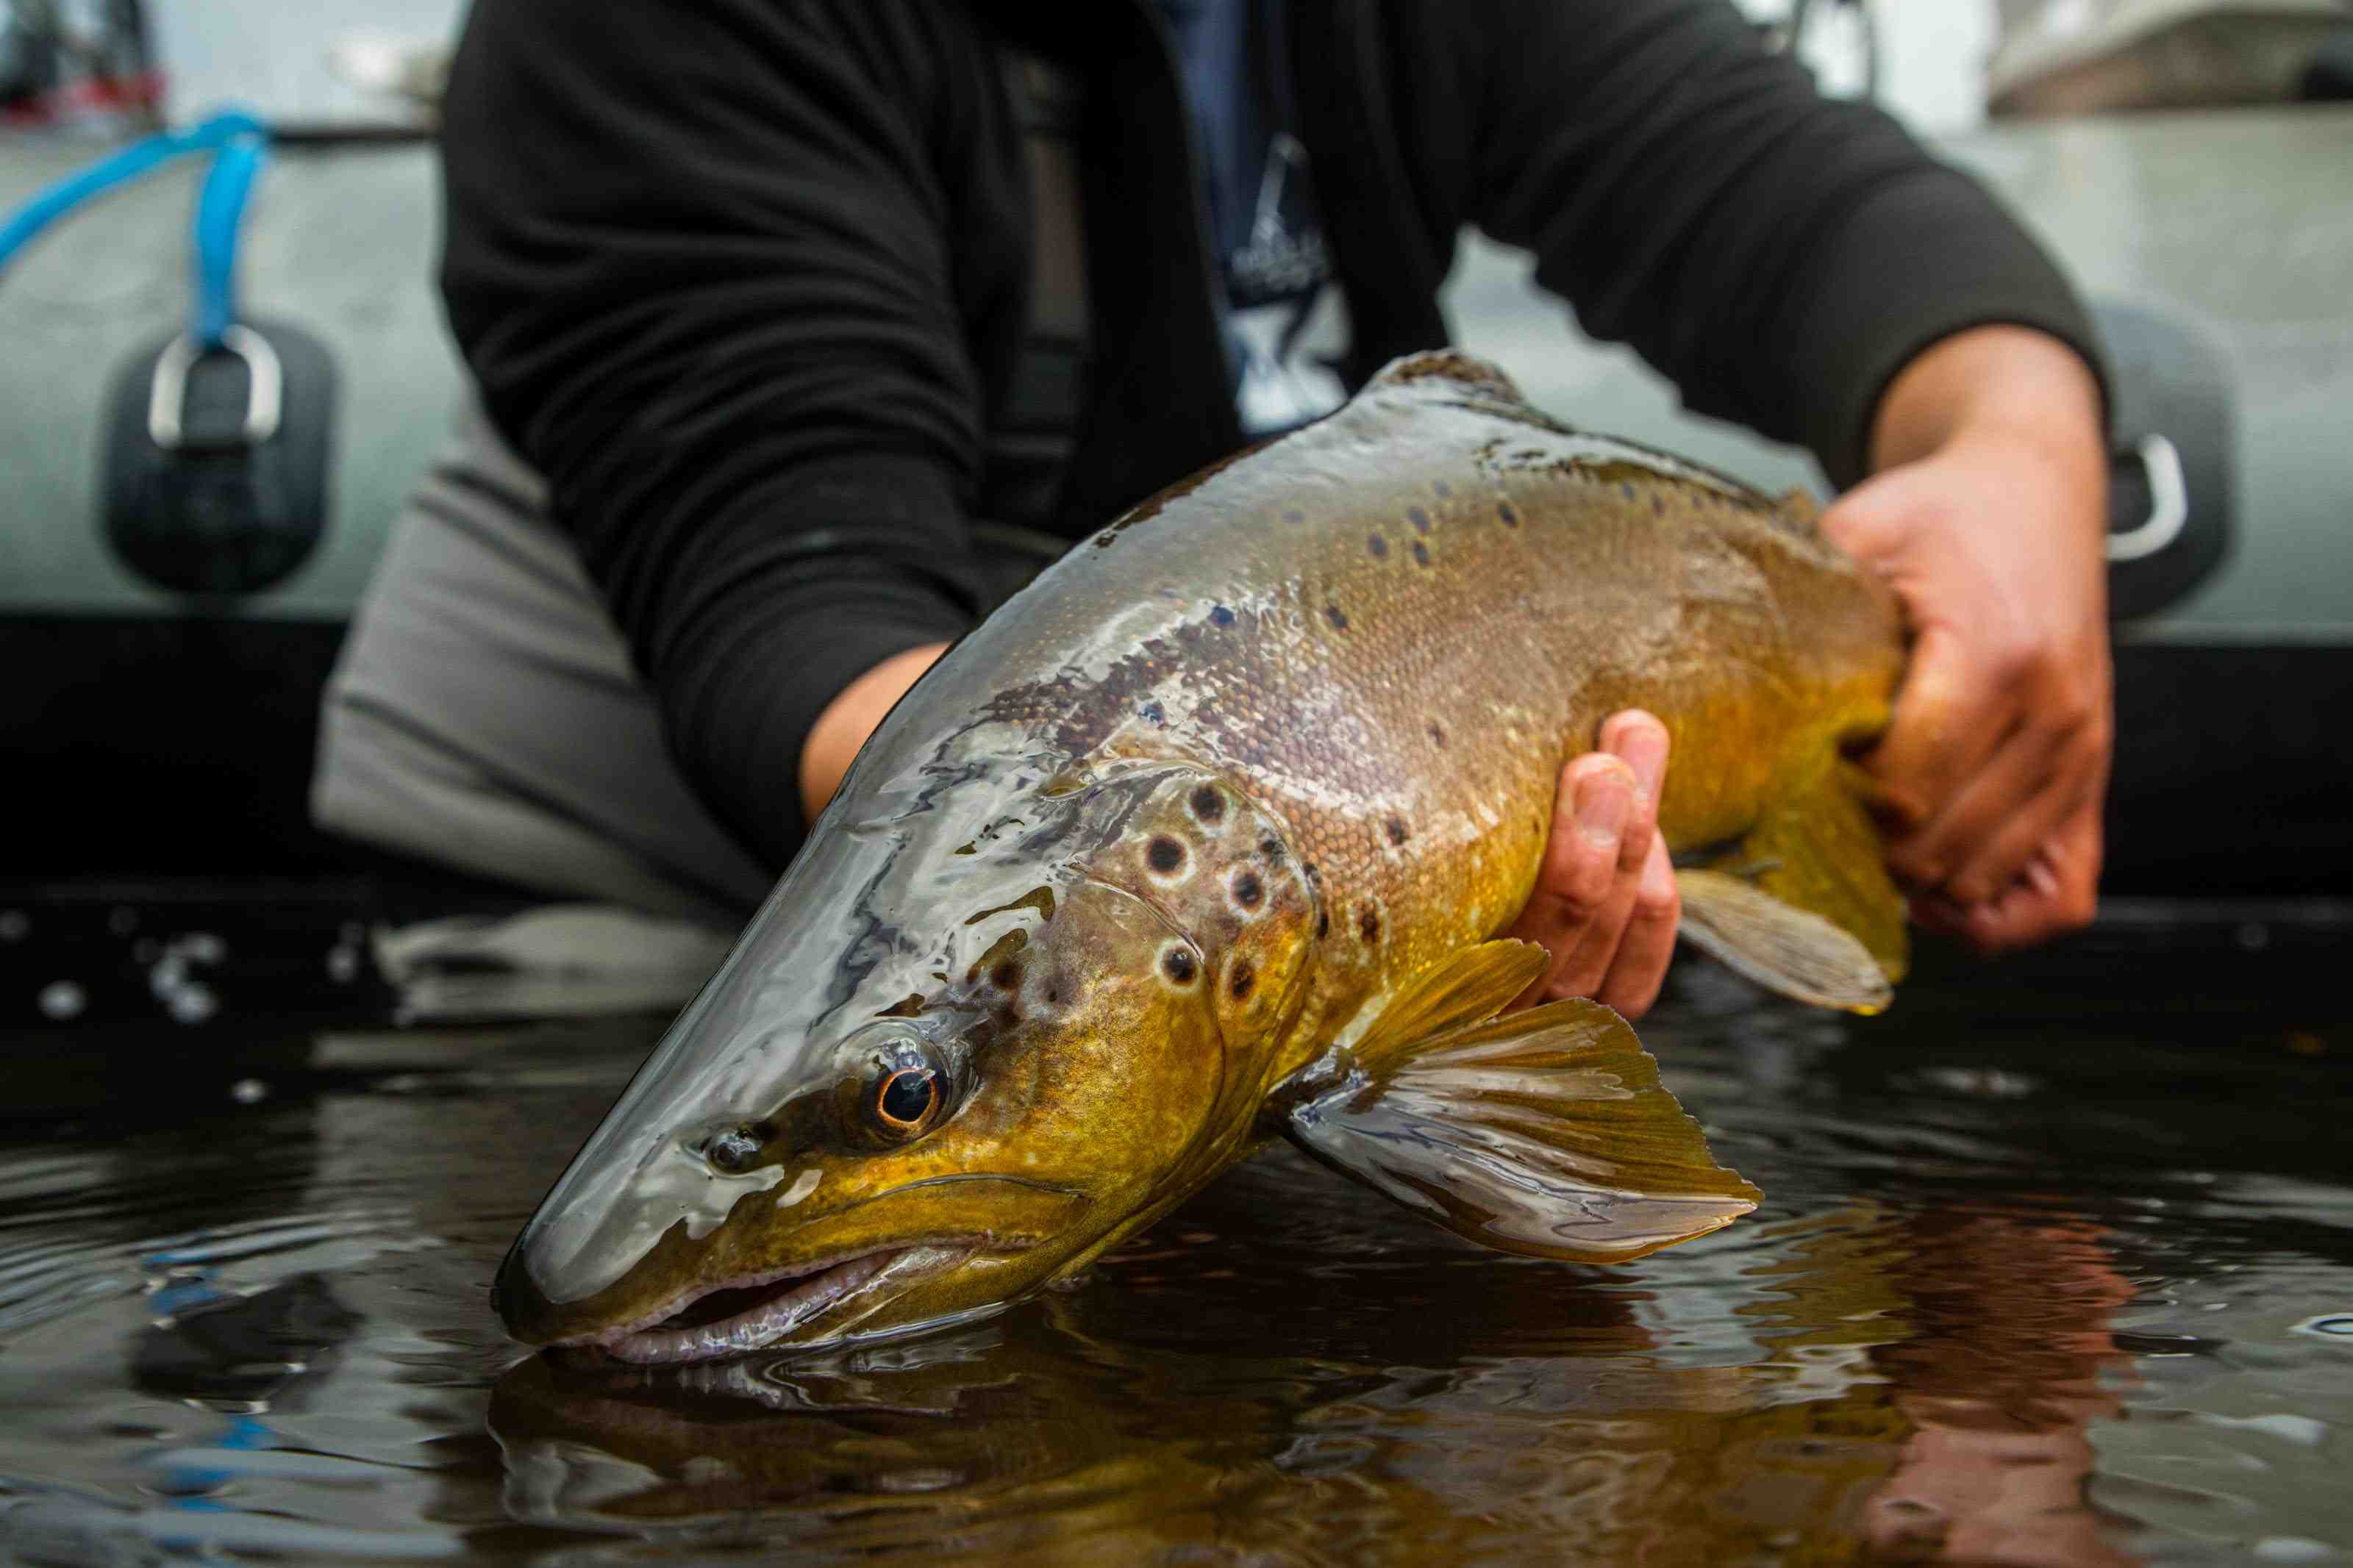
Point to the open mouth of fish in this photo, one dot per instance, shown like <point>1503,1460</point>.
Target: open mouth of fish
<point>730,1317</point>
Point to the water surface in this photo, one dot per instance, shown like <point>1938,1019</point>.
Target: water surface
<point>2051,1270</point>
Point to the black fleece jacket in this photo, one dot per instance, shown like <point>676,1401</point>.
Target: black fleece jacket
<point>744,277</point>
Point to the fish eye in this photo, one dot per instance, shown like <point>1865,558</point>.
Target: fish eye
<point>906,1093</point>
<point>907,1098</point>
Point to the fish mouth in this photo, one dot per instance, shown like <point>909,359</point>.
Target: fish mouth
<point>732,1317</point>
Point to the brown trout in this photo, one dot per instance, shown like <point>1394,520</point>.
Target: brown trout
<point>1208,836</point>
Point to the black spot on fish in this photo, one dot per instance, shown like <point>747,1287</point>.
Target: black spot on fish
<point>1418,517</point>
<point>1177,964</point>
<point>1658,506</point>
<point>1377,545</point>
<point>1626,489</point>
<point>1243,980</point>
<point>1271,848</point>
<point>1322,924</point>
<point>1369,923</point>
<point>1394,828</point>
<point>1152,711</point>
<point>1005,976</point>
<point>1420,552</point>
<point>1295,515</point>
<point>1438,734</point>
<point>1164,854</point>
<point>1442,489</point>
<point>1221,616</point>
<point>1339,622</point>
<point>1508,512</point>
<point>1207,803</point>
<point>1248,892</point>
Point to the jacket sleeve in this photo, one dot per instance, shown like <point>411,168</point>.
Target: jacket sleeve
<point>697,257</point>
<point>1778,255</point>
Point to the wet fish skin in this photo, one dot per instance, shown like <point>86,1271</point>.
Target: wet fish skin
<point>1270,752</point>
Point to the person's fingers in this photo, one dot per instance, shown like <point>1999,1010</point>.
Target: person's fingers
<point>1579,873</point>
<point>1639,966</point>
<point>2001,845</point>
<point>1596,871</point>
<point>2057,893</point>
<point>2017,797</point>
<point>1641,741</point>
<point>1950,714</point>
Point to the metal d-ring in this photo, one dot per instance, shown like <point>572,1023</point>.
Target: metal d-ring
<point>2169,503</point>
<point>264,381</point>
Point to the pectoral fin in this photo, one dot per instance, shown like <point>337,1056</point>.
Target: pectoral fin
<point>1545,1134</point>
<point>1803,905</point>
<point>1475,984</point>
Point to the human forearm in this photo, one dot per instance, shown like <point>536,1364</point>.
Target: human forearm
<point>842,728</point>
<point>1987,516</point>
<point>2005,383</point>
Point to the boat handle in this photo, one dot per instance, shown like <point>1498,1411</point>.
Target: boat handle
<point>2169,503</point>
<point>264,387</point>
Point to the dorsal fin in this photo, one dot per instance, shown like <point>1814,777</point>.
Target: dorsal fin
<point>1448,373</point>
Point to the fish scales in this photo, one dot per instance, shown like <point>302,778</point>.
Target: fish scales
<point>1397,625</point>
<point>1204,836</point>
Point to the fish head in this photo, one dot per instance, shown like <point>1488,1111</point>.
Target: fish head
<point>1023,1046</point>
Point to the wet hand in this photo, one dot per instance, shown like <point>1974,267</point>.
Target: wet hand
<point>1987,520</point>
<point>1605,904</point>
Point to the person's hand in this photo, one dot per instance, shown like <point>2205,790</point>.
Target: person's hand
<point>1605,904</point>
<point>1987,520</point>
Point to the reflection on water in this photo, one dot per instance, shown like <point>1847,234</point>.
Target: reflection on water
<point>2032,1285</point>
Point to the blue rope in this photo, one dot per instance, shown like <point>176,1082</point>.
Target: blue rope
<point>238,141</point>
<point>220,207</point>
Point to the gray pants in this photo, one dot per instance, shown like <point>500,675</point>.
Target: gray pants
<point>484,714</point>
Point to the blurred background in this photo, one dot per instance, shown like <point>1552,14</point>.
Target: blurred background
<point>165,633</point>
